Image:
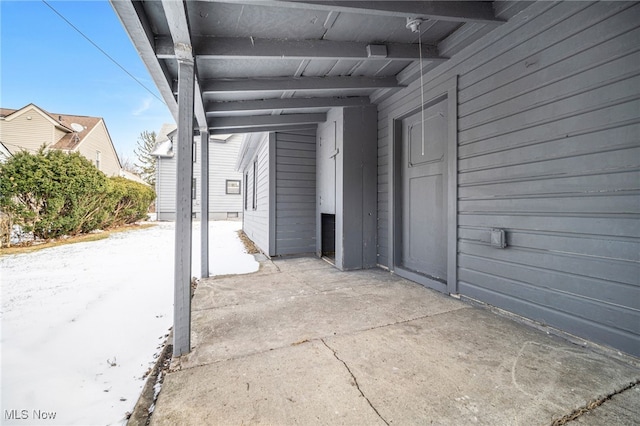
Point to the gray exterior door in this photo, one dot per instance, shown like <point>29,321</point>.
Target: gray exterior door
<point>326,164</point>
<point>424,188</point>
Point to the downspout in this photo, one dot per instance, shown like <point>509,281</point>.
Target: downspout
<point>204,203</point>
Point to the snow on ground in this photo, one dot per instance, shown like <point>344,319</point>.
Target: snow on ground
<point>82,323</point>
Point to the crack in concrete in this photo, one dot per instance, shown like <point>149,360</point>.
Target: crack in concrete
<point>355,381</point>
<point>405,321</point>
<point>592,405</point>
<point>274,264</point>
<point>313,339</point>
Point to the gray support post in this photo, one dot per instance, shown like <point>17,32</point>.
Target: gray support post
<point>184,173</point>
<point>273,177</point>
<point>204,202</point>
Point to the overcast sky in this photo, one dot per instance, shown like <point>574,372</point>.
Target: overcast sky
<point>46,62</point>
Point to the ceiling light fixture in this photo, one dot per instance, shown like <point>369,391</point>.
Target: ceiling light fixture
<point>414,24</point>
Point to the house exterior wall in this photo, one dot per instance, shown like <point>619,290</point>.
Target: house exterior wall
<point>548,150</point>
<point>196,175</point>
<point>58,134</point>
<point>256,214</point>
<point>357,197</point>
<point>28,130</point>
<point>222,157</point>
<point>295,192</point>
<point>346,163</point>
<point>166,188</point>
<point>98,140</point>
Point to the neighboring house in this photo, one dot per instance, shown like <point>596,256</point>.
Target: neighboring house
<point>132,176</point>
<point>31,127</point>
<point>225,184</point>
<point>506,159</point>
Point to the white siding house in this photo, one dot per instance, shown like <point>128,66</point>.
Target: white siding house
<point>225,184</point>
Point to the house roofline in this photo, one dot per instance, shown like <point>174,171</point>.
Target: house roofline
<point>248,148</point>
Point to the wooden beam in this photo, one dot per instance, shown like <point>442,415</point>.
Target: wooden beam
<point>177,21</point>
<point>198,105</point>
<point>182,45</point>
<point>204,203</point>
<point>265,120</point>
<point>259,129</point>
<point>284,104</point>
<point>282,84</point>
<point>455,11</point>
<point>248,47</point>
<point>184,171</point>
<point>133,20</point>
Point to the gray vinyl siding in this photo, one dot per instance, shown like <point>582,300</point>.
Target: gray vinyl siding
<point>222,159</point>
<point>256,221</point>
<point>549,150</point>
<point>197,169</point>
<point>166,188</point>
<point>28,131</point>
<point>98,140</point>
<point>295,192</point>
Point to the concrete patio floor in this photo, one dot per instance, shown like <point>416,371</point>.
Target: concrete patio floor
<point>300,342</point>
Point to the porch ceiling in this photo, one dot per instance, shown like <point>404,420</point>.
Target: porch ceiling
<point>273,63</point>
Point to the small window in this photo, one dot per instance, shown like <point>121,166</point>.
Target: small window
<point>246,191</point>
<point>194,151</point>
<point>233,186</point>
<point>193,189</point>
<point>98,159</point>
<point>255,185</point>
<point>232,215</point>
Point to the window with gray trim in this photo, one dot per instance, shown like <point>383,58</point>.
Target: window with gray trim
<point>246,192</point>
<point>232,186</point>
<point>255,185</point>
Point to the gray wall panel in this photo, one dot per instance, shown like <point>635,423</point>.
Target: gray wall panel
<point>347,157</point>
<point>166,188</point>
<point>295,192</point>
<point>549,150</point>
<point>256,221</point>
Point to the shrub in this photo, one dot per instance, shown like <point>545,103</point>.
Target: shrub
<point>131,201</point>
<point>51,193</point>
<point>54,193</point>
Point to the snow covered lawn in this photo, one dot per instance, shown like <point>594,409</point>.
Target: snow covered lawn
<point>82,323</point>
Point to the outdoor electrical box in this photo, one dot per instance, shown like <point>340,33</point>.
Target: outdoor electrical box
<point>498,238</point>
